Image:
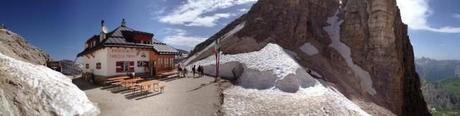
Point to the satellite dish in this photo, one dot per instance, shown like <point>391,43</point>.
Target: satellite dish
<point>105,29</point>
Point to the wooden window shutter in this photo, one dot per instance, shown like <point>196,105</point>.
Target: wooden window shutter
<point>119,67</point>
<point>131,66</point>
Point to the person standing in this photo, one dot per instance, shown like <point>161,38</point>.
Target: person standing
<point>200,70</point>
<point>193,70</point>
<point>184,72</point>
<point>179,68</point>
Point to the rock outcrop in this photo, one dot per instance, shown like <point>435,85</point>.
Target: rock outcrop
<point>359,46</point>
<point>437,97</point>
<point>70,68</point>
<point>14,45</point>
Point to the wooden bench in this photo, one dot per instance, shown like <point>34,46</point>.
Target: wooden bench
<point>127,82</point>
<point>115,79</point>
<point>150,86</point>
<point>155,90</point>
<point>168,74</point>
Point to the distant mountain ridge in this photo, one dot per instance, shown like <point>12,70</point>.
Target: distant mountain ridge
<point>435,70</point>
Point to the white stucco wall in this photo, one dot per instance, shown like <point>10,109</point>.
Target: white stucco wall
<point>92,59</point>
<point>109,56</point>
<point>125,54</point>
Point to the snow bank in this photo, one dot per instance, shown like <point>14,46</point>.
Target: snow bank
<point>316,100</point>
<point>309,49</point>
<point>270,58</point>
<point>333,31</point>
<point>270,67</point>
<point>39,87</point>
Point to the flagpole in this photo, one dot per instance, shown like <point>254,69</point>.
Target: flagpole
<point>217,51</point>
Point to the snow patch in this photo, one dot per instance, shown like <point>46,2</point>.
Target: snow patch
<point>315,100</point>
<point>316,74</point>
<point>271,58</point>
<point>55,91</point>
<point>234,30</point>
<point>309,49</point>
<point>333,31</point>
<point>213,44</point>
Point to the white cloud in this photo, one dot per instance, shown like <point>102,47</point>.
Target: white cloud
<point>415,14</point>
<point>200,12</point>
<point>208,21</point>
<point>181,39</point>
<point>456,15</point>
<point>244,10</point>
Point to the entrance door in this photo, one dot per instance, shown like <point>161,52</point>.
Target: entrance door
<point>152,68</point>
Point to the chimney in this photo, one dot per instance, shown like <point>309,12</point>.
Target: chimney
<point>102,35</point>
<point>123,23</point>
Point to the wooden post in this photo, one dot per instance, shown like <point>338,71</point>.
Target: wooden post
<point>217,51</point>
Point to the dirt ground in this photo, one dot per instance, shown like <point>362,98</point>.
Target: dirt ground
<point>182,97</point>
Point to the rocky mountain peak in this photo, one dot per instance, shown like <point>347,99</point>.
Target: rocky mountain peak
<point>360,47</point>
<point>14,45</point>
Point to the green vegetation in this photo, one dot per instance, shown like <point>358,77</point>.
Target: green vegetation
<point>445,112</point>
<point>451,85</point>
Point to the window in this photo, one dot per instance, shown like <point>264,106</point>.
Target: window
<point>172,62</point>
<point>131,66</point>
<point>161,62</point>
<point>139,63</point>
<point>124,66</point>
<point>98,65</point>
<point>142,63</point>
<point>165,62</point>
<point>87,66</point>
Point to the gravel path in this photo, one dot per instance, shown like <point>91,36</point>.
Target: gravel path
<point>182,97</point>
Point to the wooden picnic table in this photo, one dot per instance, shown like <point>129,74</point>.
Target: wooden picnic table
<point>117,78</point>
<point>150,85</point>
<point>127,82</point>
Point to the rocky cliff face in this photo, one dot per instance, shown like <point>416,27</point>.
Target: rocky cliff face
<point>14,45</point>
<point>361,47</point>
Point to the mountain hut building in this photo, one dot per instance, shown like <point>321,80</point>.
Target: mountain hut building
<point>124,51</point>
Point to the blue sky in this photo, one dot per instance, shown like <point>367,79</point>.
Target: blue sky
<point>60,27</point>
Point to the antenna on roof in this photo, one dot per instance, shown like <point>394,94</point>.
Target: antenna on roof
<point>123,22</point>
<point>104,30</point>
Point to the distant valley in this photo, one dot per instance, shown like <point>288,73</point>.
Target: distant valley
<point>440,85</point>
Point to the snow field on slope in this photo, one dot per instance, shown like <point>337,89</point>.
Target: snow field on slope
<point>55,91</point>
<point>309,49</point>
<point>315,100</point>
<point>213,44</point>
<point>333,31</point>
<point>270,58</point>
